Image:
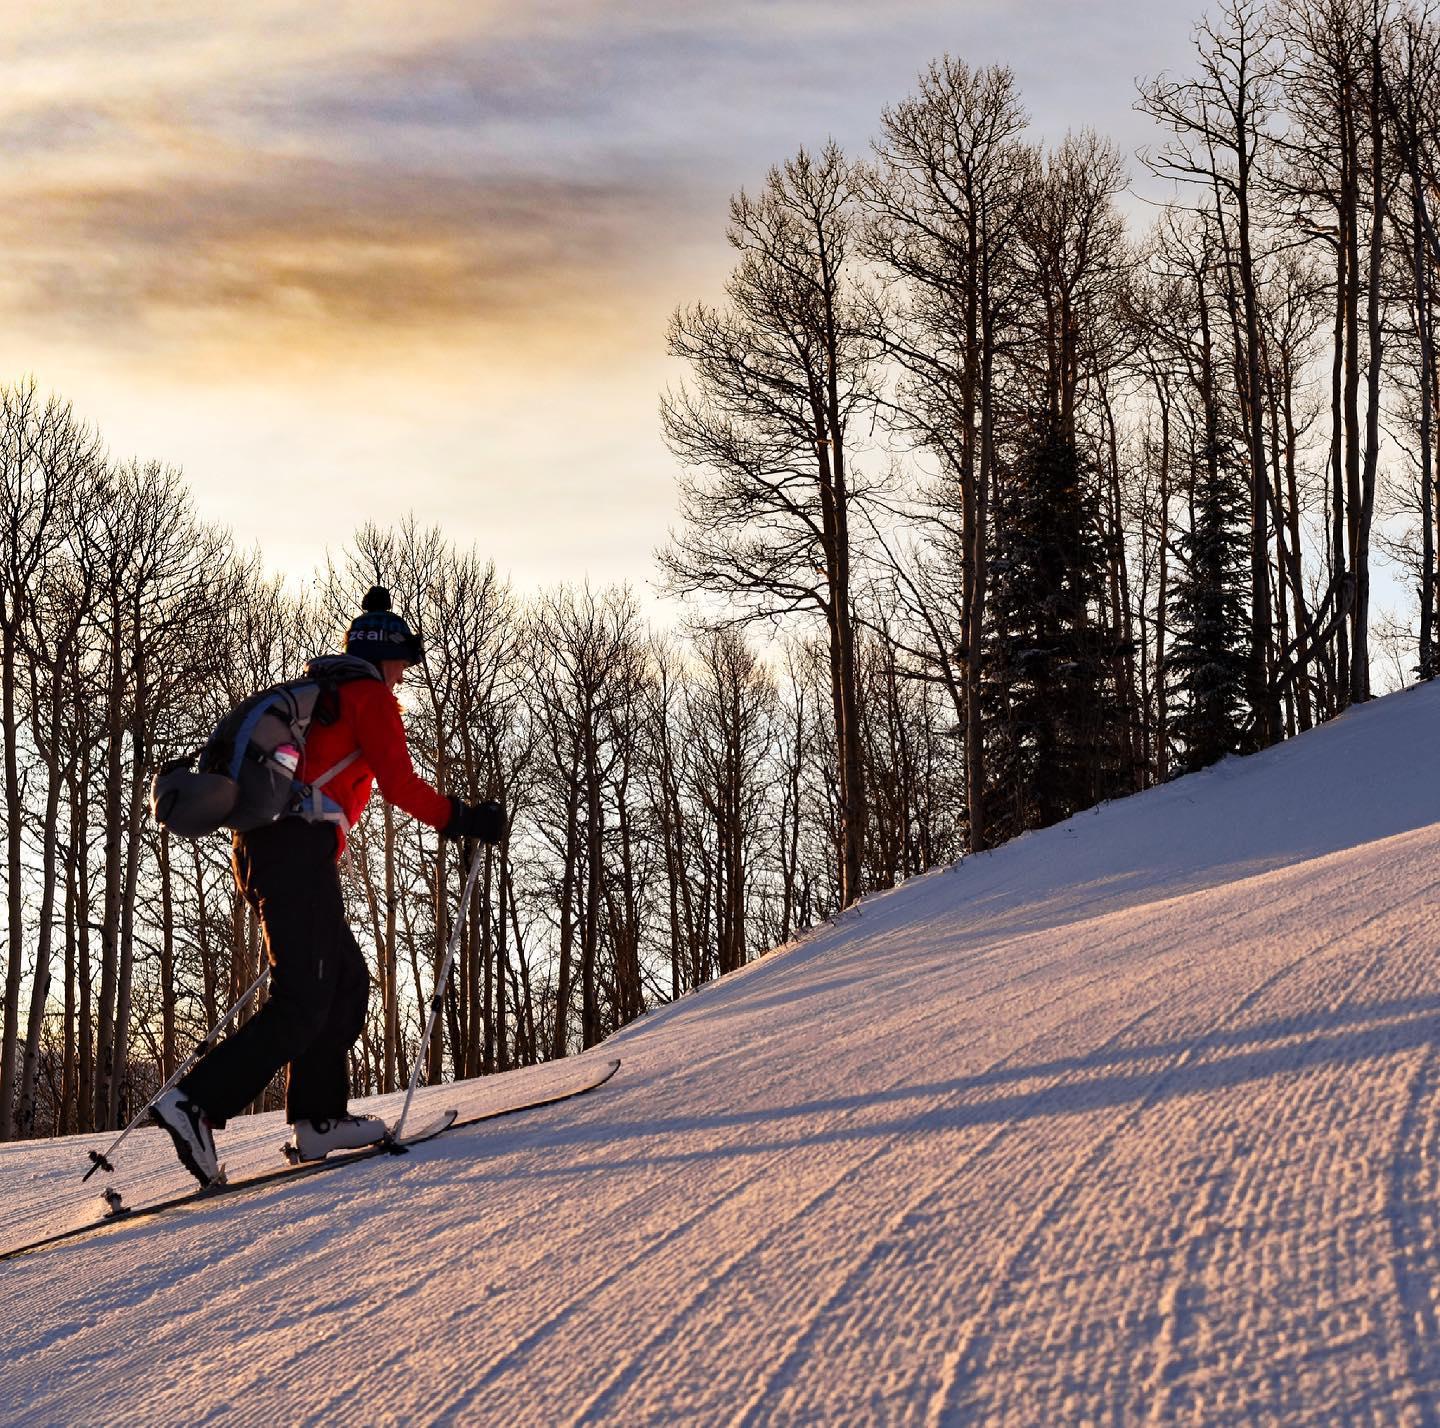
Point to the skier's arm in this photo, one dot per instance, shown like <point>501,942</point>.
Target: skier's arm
<point>381,737</point>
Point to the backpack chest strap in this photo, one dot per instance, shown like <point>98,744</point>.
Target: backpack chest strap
<point>313,802</point>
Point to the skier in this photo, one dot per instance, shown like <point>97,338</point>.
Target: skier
<point>287,871</point>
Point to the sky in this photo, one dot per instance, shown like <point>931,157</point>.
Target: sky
<point>343,262</point>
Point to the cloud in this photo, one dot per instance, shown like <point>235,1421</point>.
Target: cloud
<point>271,180</point>
<point>363,256</point>
<point>278,259</point>
<point>364,172</point>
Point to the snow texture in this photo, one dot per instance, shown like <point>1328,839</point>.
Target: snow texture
<point>1134,1121</point>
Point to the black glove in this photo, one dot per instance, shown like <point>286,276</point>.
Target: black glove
<point>485,821</point>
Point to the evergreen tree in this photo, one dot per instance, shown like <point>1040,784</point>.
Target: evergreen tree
<point>1206,661</point>
<point>1048,687</point>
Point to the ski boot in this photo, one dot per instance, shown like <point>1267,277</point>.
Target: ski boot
<point>314,1140</point>
<point>194,1143</point>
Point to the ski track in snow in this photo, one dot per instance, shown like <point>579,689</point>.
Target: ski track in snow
<point>1133,1121</point>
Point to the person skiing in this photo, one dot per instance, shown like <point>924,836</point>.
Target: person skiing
<point>288,872</point>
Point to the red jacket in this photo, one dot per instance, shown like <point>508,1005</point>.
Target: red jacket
<point>370,721</point>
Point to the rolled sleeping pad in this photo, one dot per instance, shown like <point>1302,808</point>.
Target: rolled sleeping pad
<point>191,803</point>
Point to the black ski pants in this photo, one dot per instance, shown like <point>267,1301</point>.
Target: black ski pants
<point>319,985</point>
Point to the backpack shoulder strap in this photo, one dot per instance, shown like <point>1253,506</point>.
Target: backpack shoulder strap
<point>330,672</point>
<point>317,783</point>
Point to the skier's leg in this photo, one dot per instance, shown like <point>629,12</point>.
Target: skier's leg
<point>318,1086</point>
<point>286,870</point>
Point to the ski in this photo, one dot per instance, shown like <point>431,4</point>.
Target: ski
<point>294,1169</point>
<point>118,1213</point>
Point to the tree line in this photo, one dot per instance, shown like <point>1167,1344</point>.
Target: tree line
<point>1113,484</point>
<point>670,812</point>
<point>999,497</point>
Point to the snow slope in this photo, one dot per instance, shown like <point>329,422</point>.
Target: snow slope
<point>1135,1121</point>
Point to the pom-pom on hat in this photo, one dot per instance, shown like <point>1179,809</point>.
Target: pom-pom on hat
<point>380,634</point>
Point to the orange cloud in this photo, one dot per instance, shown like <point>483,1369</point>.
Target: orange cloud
<point>335,244</point>
<point>266,181</point>
<point>257,182</point>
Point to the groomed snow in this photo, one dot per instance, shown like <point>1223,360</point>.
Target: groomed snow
<point>1136,1120</point>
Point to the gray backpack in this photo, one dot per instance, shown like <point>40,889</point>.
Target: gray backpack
<point>244,776</point>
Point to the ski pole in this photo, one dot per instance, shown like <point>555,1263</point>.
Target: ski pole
<point>102,1159</point>
<point>440,984</point>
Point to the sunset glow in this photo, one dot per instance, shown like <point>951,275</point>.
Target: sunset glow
<point>342,262</point>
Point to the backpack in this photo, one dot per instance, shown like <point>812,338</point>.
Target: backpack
<point>244,775</point>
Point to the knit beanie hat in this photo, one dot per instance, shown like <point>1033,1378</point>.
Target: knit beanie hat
<point>381,634</point>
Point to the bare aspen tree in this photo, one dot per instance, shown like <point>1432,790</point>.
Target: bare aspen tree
<point>1336,183</point>
<point>1409,91</point>
<point>587,652</point>
<point>469,680</point>
<point>917,812</point>
<point>667,774</point>
<point>1162,310</point>
<point>44,456</point>
<point>59,608</point>
<point>1219,119</point>
<point>1290,319</point>
<point>767,431</point>
<point>165,571</point>
<point>946,200</point>
<point>728,709</point>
